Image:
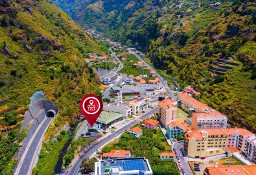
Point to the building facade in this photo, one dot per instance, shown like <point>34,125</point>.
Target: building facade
<point>210,119</point>
<point>136,131</point>
<point>209,142</point>
<point>175,129</point>
<point>139,104</point>
<point>150,123</point>
<point>167,155</point>
<point>250,148</point>
<point>190,104</point>
<point>167,111</point>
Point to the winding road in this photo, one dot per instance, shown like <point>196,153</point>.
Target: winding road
<point>76,167</point>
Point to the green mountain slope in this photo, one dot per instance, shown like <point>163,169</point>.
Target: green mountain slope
<point>131,21</point>
<point>189,41</point>
<point>41,49</point>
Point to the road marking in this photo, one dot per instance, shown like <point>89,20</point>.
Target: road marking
<point>21,162</point>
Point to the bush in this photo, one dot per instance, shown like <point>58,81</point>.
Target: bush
<point>10,118</point>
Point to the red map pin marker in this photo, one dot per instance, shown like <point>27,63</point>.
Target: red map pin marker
<point>91,106</point>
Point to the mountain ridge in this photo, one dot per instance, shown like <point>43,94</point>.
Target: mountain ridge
<point>41,48</point>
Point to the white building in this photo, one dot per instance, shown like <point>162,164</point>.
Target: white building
<point>250,148</point>
<point>139,104</point>
<point>123,166</point>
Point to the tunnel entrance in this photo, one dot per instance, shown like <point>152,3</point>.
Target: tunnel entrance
<point>50,114</point>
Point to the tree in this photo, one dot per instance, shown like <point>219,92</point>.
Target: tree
<point>10,118</point>
<point>88,164</point>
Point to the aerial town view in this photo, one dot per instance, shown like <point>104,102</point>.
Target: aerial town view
<point>143,87</point>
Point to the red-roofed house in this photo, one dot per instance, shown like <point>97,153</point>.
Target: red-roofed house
<point>116,154</point>
<point>167,111</point>
<point>167,155</point>
<point>176,128</point>
<point>190,90</point>
<point>155,81</point>
<point>150,123</point>
<point>136,131</point>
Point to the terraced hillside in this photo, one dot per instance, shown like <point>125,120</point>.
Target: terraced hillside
<point>41,49</point>
<point>190,42</point>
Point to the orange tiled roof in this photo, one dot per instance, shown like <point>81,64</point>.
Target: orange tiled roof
<point>240,131</point>
<point>152,72</point>
<point>136,130</point>
<point>167,103</point>
<point>117,153</point>
<point>151,122</point>
<point>155,80</point>
<point>233,149</point>
<point>232,170</point>
<point>189,89</point>
<point>212,113</point>
<point>171,154</point>
<point>193,102</point>
<point>180,124</point>
<point>142,81</point>
<point>222,131</point>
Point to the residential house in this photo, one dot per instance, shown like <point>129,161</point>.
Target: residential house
<point>167,155</point>
<point>136,131</point>
<point>191,91</point>
<point>113,154</point>
<point>139,104</point>
<point>209,142</point>
<point>155,81</point>
<point>167,111</point>
<point>176,128</point>
<point>150,123</point>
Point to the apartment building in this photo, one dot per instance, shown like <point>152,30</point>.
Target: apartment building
<point>209,142</point>
<point>250,148</point>
<point>209,119</point>
<point>190,104</point>
<point>167,111</point>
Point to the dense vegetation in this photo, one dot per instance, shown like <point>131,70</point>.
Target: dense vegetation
<point>192,42</point>
<point>130,69</point>
<point>41,49</point>
<point>148,145</point>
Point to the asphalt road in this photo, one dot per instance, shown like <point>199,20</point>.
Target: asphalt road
<point>76,167</point>
<point>120,64</point>
<point>26,162</point>
<point>183,164</point>
<point>106,93</point>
